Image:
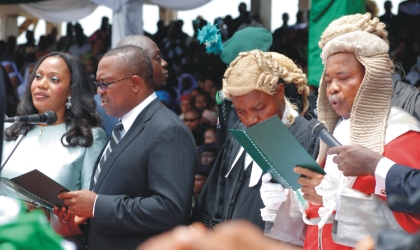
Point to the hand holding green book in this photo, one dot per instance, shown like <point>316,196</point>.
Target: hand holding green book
<point>276,151</point>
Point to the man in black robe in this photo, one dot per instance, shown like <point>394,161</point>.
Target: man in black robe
<point>255,83</point>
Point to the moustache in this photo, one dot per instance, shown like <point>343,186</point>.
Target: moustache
<point>335,98</point>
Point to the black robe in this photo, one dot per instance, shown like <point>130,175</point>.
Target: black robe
<point>406,97</point>
<point>231,198</point>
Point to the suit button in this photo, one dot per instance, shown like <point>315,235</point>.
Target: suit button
<point>383,192</point>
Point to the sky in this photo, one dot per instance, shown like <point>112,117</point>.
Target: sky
<point>210,11</point>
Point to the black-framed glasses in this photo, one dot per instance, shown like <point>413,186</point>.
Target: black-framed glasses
<point>104,85</point>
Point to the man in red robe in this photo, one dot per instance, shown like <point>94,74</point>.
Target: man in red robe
<point>354,104</point>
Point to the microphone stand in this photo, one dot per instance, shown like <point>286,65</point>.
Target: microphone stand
<point>23,133</point>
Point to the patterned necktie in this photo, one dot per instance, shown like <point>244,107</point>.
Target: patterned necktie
<point>113,142</point>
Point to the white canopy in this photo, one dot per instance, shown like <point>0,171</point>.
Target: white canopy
<point>127,14</point>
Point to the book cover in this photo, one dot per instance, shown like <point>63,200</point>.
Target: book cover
<point>276,151</point>
<point>34,187</point>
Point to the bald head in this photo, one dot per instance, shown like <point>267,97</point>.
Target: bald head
<point>138,40</point>
<point>160,73</point>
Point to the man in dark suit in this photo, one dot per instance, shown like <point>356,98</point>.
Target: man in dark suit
<point>160,71</point>
<point>389,19</point>
<point>144,185</point>
<point>395,179</point>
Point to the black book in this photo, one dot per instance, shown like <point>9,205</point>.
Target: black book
<point>34,187</point>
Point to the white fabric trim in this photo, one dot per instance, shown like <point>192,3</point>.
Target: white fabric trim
<point>371,216</point>
<point>179,4</point>
<point>288,225</point>
<point>256,174</point>
<point>399,123</point>
<point>112,4</point>
<point>334,182</point>
<point>380,174</point>
<point>94,204</point>
<point>248,160</point>
<point>241,150</point>
<point>59,11</point>
<point>127,14</point>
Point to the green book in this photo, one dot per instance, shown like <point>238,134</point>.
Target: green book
<point>276,151</point>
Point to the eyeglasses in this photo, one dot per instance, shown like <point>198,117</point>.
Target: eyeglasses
<point>104,85</point>
<point>190,120</point>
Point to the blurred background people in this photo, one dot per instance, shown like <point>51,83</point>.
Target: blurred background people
<point>185,105</point>
<point>194,122</point>
<point>28,71</point>
<point>11,98</point>
<point>210,135</point>
<point>207,156</point>
<point>13,72</point>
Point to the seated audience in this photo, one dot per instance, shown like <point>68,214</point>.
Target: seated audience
<point>193,121</point>
<point>210,135</point>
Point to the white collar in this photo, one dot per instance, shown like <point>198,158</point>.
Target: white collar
<point>288,110</point>
<point>129,118</point>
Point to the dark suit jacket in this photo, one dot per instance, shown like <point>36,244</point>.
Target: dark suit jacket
<point>145,186</point>
<point>402,182</point>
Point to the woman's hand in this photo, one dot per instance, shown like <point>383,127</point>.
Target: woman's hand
<point>31,207</point>
<point>67,223</point>
<point>63,215</point>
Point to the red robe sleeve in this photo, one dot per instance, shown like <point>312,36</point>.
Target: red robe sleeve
<point>404,150</point>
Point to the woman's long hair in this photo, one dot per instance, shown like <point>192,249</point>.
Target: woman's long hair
<point>82,115</point>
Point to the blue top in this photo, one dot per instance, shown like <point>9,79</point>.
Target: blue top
<point>42,149</point>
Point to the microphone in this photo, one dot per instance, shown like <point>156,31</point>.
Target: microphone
<point>48,118</point>
<point>319,130</point>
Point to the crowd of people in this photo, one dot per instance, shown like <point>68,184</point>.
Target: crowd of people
<point>150,149</point>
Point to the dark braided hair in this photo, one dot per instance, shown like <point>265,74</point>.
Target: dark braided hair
<point>80,118</point>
